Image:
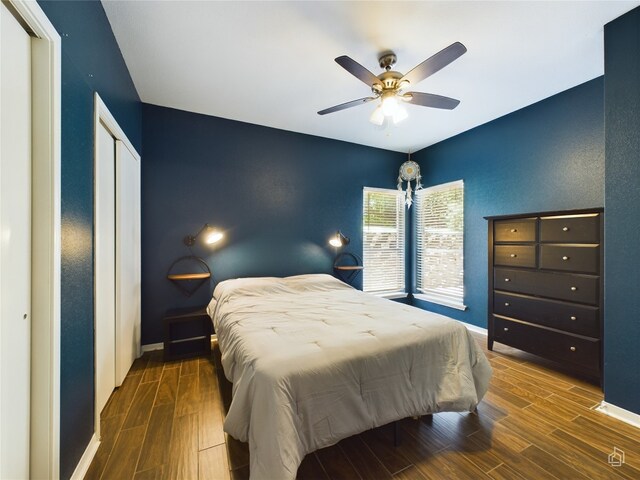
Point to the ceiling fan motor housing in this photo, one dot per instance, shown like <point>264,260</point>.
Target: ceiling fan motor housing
<point>387,60</point>
<point>390,79</point>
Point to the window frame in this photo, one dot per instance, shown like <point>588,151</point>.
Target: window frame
<point>402,291</point>
<point>433,297</point>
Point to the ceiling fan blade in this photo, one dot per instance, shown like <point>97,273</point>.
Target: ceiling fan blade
<point>358,71</point>
<point>431,100</point>
<point>342,106</point>
<point>434,63</point>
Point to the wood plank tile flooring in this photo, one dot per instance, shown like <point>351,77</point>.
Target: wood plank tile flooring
<point>535,422</point>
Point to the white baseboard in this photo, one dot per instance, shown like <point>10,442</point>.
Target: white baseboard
<point>619,413</point>
<point>85,460</point>
<point>150,347</point>
<point>475,328</point>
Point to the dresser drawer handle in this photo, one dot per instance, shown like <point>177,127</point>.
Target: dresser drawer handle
<point>506,304</point>
<point>573,349</point>
<point>565,229</point>
<point>506,329</point>
<point>574,318</point>
<point>507,279</point>
<point>513,255</point>
<point>514,230</point>
<point>565,258</point>
<point>573,289</point>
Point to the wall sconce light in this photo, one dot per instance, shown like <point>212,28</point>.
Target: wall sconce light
<point>339,240</point>
<point>211,236</point>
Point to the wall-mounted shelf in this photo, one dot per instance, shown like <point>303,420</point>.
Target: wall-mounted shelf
<point>189,276</point>
<point>347,266</point>
<point>190,280</point>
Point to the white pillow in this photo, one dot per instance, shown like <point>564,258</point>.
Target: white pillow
<point>249,284</point>
<point>316,282</point>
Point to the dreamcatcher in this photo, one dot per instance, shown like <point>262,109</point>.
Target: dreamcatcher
<point>409,171</point>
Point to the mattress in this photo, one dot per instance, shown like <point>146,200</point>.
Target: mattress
<point>313,361</point>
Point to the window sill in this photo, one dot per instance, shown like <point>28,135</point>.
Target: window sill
<point>440,301</point>
<point>391,295</point>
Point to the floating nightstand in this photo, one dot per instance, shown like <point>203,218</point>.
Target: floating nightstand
<point>189,281</point>
<point>189,276</point>
<point>347,266</point>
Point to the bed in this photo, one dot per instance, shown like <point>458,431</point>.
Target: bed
<point>313,360</point>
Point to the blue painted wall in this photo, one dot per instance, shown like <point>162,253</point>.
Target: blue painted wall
<point>278,195</point>
<point>548,156</point>
<point>91,61</point>
<point>622,203</point>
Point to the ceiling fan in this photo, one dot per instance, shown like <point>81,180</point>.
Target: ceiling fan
<point>390,85</point>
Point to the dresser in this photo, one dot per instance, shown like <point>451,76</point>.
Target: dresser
<point>545,286</point>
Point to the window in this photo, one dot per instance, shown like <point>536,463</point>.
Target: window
<point>383,242</point>
<point>439,244</point>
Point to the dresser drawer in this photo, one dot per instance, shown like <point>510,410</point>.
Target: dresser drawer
<point>562,286</point>
<point>571,228</point>
<point>570,317</point>
<point>573,258</point>
<point>580,352</point>
<point>520,230</point>
<point>515,255</point>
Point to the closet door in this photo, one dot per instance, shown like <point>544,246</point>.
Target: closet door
<point>15,246</point>
<point>127,260</point>
<point>105,272</point>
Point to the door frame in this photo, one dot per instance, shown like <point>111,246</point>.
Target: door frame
<point>44,455</point>
<point>103,115</point>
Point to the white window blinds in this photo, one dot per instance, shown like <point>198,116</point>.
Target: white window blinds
<point>439,244</point>
<point>383,241</point>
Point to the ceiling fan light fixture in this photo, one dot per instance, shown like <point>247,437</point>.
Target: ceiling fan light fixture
<point>389,108</point>
<point>400,114</point>
<point>377,117</point>
<point>389,104</point>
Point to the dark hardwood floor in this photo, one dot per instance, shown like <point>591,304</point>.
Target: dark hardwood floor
<point>165,421</point>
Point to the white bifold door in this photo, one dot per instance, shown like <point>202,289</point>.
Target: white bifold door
<point>117,262</point>
<point>105,266</point>
<point>15,246</point>
<point>127,260</point>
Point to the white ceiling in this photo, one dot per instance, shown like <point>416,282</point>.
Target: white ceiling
<point>271,63</point>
